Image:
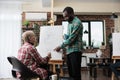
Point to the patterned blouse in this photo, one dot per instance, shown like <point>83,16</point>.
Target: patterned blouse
<point>29,56</point>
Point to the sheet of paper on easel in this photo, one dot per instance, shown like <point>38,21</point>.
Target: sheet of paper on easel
<point>65,27</point>
<point>50,37</point>
<point>116,44</point>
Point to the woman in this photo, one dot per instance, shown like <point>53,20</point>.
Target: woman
<point>30,57</point>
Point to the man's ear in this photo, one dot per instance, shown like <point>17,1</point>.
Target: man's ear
<point>28,38</point>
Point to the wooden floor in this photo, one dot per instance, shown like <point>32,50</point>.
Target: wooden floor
<point>100,76</point>
<point>85,76</point>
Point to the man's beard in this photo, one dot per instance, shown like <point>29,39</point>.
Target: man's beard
<point>70,19</point>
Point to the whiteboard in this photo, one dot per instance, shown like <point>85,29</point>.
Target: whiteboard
<point>50,37</point>
<point>116,44</point>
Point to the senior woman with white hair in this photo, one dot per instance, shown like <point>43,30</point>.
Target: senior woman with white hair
<point>29,55</point>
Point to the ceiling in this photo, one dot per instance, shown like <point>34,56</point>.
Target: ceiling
<point>48,2</point>
<point>62,0</point>
<point>20,0</point>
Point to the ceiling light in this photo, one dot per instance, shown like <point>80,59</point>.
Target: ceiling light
<point>85,32</point>
<point>113,16</point>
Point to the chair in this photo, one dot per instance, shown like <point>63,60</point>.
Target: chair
<point>26,73</point>
<point>65,68</point>
<point>64,65</point>
<point>84,61</point>
<point>99,63</point>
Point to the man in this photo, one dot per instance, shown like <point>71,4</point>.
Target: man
<point>73,43</point>
<point>30,57</point>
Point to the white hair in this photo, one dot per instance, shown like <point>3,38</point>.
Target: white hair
<point>26,35</point>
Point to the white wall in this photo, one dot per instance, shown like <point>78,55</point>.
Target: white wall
<point>117,24</point>
<point>10,35</point>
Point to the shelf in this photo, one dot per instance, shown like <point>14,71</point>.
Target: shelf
<point>27,28</point>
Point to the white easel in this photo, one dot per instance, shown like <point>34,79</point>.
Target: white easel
<point>54,62</point>
<point>116,49</point>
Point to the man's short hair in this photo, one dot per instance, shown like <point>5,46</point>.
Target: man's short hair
<point>69,10</point>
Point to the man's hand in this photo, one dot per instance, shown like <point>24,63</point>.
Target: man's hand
<point>58,48</point>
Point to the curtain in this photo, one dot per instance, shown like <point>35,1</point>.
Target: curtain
<point>10,35</point>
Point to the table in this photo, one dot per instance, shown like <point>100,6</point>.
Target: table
<point>96,62</point>
<point>53,64</point>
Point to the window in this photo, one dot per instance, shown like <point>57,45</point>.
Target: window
<point>93,33</point>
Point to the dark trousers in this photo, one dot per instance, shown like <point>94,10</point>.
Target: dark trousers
<point>114,68</point>
<point>74,65</point>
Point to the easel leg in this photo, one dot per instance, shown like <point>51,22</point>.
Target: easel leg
<point>112,78</point>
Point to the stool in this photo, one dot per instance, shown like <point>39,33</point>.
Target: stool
<point>92,69</point>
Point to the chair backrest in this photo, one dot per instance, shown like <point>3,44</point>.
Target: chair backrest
<point>18,66</point>
<point>84,61</point>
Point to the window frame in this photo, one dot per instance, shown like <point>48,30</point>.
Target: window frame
<point>89,32</point>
